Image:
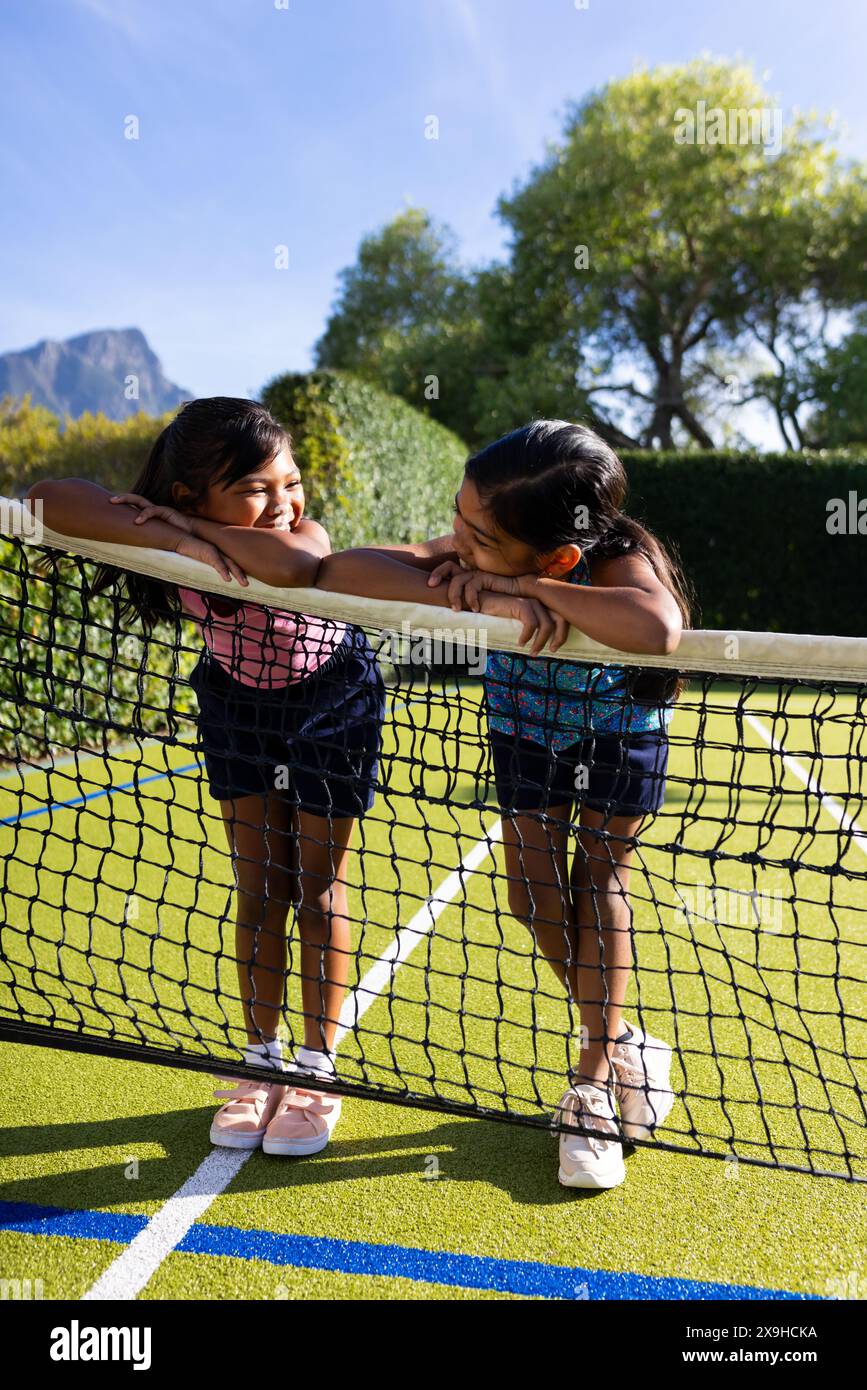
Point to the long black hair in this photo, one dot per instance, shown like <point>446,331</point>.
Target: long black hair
<point>214,440</point>
<point>554,483</point>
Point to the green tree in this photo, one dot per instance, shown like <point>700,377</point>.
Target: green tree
<point>691,246</point>
<point>35,443</point>
<point>398,308</point>
<point>671,256</point>
<point>838,388</point>
<point>453,342</point>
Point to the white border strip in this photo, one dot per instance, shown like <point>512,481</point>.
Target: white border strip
<point>137,1263</point>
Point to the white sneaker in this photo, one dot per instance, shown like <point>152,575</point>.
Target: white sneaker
<point>585,1160</point>
<point>642,1067</point>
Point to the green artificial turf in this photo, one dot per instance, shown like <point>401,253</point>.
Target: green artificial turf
<point>496,1193</point>
<point>118,919</point>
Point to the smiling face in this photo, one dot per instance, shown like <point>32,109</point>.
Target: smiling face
<point>269,498</point>
<point>482,545</point>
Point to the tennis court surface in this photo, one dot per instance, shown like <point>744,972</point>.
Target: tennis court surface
<point>749,907</point>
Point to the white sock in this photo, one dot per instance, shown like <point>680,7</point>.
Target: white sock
<point>259,1054</point>
<point>313,1060</point>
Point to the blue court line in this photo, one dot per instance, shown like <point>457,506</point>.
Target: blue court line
<point>528,1277</point>
<point>24,768</point>
<point>92,796</point>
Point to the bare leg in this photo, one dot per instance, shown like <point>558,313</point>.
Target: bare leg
<point>600,896</point>
<point>323,924</point>
<point>262,837</point>
<point>581,923</point>
<point>539,891</point>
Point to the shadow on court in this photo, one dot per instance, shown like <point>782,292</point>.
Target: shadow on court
<point>520,1162</point>
<point>77,1182</point>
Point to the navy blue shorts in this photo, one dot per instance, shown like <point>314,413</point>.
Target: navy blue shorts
<point>620,775</point>
<point>325,730</point>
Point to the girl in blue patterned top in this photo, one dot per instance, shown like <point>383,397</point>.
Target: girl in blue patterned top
<point>539,535</point>
<point>539,515</point>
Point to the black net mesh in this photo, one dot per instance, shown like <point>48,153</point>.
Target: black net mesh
<point>174,843</point>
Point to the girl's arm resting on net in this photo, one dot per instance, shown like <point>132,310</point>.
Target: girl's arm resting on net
<point>378,573</point>
<point>76,507</point>
<point>283,559</point>
<point>292,559</point>
<point>626,606</point>
<point>422,555</point>
<point>380,576</point>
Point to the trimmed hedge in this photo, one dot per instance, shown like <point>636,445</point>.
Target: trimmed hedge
<point>375,469</point>
<point>751,531</point>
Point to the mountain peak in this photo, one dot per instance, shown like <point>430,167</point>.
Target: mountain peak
<point>98,335</point>
<point>113,370</point>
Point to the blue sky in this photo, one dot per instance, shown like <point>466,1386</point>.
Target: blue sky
<point>304,126</point>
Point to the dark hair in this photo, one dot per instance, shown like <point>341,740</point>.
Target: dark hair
<point>553,483</point>
<point>214,440</point>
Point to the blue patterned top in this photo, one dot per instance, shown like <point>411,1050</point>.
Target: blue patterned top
<point>556,703</point>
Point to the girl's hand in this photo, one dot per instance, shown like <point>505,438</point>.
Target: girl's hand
<point>445,571</point>
<point>465,585</point>
<point>538,624</point>
<point>208,554</point>
<point>148,511</point>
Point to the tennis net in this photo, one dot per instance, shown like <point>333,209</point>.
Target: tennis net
<point>746,903</point>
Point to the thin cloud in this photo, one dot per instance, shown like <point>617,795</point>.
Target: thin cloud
<point>476,26</point>
<point>123,15</point>
<point>465,19</point>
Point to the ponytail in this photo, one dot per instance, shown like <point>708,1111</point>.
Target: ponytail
<point>625,536</point>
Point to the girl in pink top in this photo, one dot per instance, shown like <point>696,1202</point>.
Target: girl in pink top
<point>290,713</point>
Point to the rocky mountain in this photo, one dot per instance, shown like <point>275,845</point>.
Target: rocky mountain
<point>112,369</point>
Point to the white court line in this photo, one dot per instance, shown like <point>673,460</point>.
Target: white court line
<point>828,803</point>
<point>127,1275</point>
<point>379,975</point>
<point>136,1265</point>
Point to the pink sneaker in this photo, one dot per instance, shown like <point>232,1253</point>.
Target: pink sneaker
<point>303,1123</point>
<point>242,1123</point>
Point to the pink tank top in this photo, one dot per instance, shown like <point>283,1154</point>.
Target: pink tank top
<point>266,648</point>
